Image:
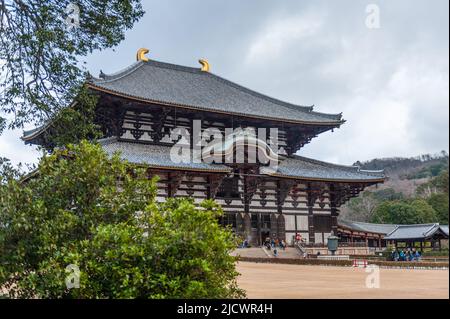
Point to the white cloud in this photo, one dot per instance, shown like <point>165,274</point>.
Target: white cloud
<point>279,35</point>
<point>12,147</point>
<point>391,83</point>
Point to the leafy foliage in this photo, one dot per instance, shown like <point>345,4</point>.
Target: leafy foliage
<point>439,184</point>
<point>362,208</point>
<point>430,171</point>
<point>416,211</point>
<point>439,202</point>
<point>73,124</point>
<point>429,202</point>
<point>40,67</point>
<point>100,214</point>
<point>429,165</point>
<point>8,171</point>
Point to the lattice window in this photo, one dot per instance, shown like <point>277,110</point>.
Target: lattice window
<point>322,223</point>
<point>228,219</point>
<point>229,188</point>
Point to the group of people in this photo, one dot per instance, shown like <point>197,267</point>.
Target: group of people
<point>274,244</point>
<point>245,244</point>
<point>406,255</point>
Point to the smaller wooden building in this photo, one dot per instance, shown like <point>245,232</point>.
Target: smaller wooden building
<point>379,236</point>
<point>425,235</point>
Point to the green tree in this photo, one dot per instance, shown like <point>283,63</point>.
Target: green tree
<point>438,184</point>
<point>42,44</point>
<point>7,171</point>
<point>439,202</point>
<point>417,211</point>
<point>100,214</point>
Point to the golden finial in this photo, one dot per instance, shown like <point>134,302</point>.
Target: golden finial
<point>205,65</point>
<point>140,55</point>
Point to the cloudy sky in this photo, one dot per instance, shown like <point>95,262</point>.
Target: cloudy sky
<point>391,82</point>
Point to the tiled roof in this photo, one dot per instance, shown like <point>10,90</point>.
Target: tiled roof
<point>396,232</point>
<point>302,167</point>
<point>160,82</point>
<point>298,167</point>
<point>153,155</point>
<point>445,229</point>
<point>367,227</point>
<point>419,231</point>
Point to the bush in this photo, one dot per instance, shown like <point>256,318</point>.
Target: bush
<point>75,212</point>
<point>442,252</point>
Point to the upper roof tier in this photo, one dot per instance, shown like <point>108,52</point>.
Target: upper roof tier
<point>187,87</point>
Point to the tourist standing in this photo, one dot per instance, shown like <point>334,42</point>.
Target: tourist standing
<point>402,255</point>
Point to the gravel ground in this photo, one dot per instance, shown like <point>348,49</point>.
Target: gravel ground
<point>262,280</point>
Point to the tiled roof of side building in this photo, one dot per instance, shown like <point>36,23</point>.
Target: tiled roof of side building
<point>415,231</point>
<point>383,229</point>
<point>445,229</point>
<point>395,232</point>
<point>189,87</point>
<point>154,156</point>
<point>302,167</point>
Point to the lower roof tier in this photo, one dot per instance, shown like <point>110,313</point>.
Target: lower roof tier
<point>295,167</point>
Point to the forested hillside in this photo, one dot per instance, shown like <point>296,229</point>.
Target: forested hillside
<point>416,192</point>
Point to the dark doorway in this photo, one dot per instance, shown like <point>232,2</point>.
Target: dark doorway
<point>264,234</point>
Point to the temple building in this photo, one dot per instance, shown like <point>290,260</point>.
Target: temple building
<point>150,112</point>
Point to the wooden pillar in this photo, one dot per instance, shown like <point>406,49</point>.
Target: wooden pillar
<point>240,226</point>
<point>273,226</point>
<point>247,226</point>
<point>334,210</point>
<point>421,246</point>
<point>379,241</point>
<point>295,220</point>
<point>334,222</point>
<point>310,204</point>
<point>281,227</point>
<point>258,232</point>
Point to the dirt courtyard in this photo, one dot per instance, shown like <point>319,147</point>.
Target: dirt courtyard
<point>262,280</point>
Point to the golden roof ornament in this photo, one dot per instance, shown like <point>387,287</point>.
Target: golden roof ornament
<point>140,55</point>
<point>205,65</point>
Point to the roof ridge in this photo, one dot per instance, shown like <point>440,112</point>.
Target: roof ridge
<point>106,78</point>
<point>419,225</point>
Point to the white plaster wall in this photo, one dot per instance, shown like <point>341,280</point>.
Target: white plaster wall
<point>302,223</point>
<point>289,222</point>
